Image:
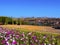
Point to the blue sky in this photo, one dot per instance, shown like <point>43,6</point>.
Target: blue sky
<point>30,8</point>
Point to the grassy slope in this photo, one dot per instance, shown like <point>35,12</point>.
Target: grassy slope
<point>33,28</point>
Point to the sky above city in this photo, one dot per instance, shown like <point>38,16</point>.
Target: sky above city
<point>30,8</point>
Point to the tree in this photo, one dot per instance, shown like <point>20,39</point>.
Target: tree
<point>18,21</point>
<point>3,19</point>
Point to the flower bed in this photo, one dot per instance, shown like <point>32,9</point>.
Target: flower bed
<point>14,37</point>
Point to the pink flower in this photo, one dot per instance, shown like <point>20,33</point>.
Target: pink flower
<point>34,37</point>
<point>30,33</point>
<point>3,41</point>
<point>17,36</point>
<point>23,35</point>
<point>7,43</point>
<point>14,42</point>
<point>32,44</point>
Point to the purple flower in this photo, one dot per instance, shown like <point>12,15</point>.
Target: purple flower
<point>3,41</point>
<point>36,40</point>
<point>32,44</point>
<point>7,43</point>
<point>34,37</point>
<point>42,44</point>
<point>23,35</point>
<point>17,36</point>
<point>14,42</point>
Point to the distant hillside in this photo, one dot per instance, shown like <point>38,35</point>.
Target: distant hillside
<point>29,21</point>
